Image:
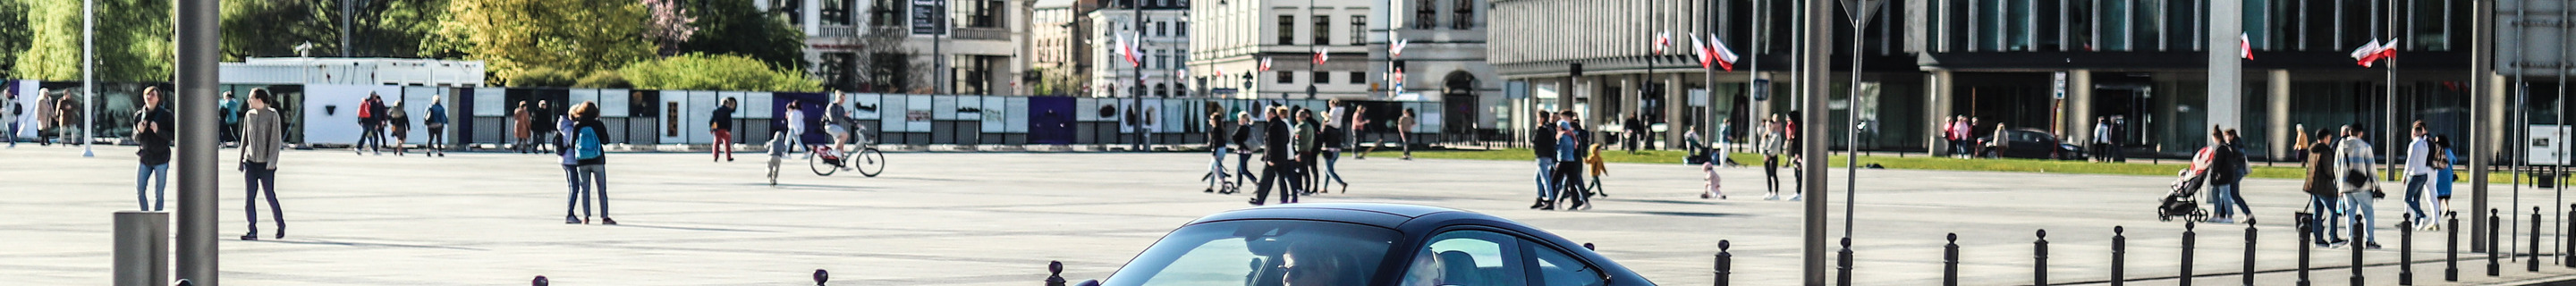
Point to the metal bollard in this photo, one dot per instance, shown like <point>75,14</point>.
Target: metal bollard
<point>2119,255</point>
<point>1844,264</point>
<point>2306,224</point>
<point>1055,273</point>
<point>2249,252</point>
<point>2039,260</point>
<point>821,276</point>
<point>2190,240</point>
<point>2534,262</point>
<point>1950,262</point>
<point>2406,251</point>
<point>2360,240</point>
<point>1723,259</point>
<point>2494,220</point>
<point>2451,253</point>
<point>142,248</point>
<point>2568,241</point>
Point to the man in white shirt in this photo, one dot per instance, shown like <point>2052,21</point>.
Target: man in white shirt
<point>2358,184</point>
<point>2102,139</point>
<point>2418,169</point>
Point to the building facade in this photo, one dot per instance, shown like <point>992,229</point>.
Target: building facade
<point>2055,66</point>
<point>1158,33</point>
<point>1056,46</point>
<point>976,52</point>
<point>1236,36</point>
<point>1444,59</point>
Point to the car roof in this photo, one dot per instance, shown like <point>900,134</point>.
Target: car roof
<point>1375,214</point>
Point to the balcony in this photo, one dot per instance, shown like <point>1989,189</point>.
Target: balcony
<point>997,34</point>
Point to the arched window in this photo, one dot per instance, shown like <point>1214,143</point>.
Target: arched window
<point>1465,17</point>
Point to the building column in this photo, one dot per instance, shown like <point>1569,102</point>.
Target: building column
<point>1676,101</point>
<point>1937,107</point>
<point>2078,125</point>
<point>2278,84</point>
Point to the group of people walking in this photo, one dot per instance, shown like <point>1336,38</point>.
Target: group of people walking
<point>57,117</point>
<point>1299,148</point>
<point>1566,152</point>
<point>2341,184</point>
<point>387,125</point>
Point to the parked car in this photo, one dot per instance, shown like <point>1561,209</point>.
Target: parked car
<point>1365,244</point>
<point>2030,143</point>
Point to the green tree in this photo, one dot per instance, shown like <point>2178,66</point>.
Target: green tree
<point>13,33</point>
<point>133,40</point>
<point>576,36</point>
<point>384,28</point>
<point>716,72</point>
<point>734,27</point>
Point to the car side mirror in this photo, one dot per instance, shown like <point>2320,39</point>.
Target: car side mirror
<point>1093,282</point>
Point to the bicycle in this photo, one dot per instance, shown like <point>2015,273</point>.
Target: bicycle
<point>827,161</point>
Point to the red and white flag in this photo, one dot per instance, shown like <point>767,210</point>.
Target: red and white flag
<point>1319,55</point>
<point>1699,48</point>
<point>2244,46</point>
<point>2367,53</point>
<point>1396,49</point>
<point>1663,39</point>
<point>1265,63</point>
<point>1725,57</point>
<point>1127,49</point>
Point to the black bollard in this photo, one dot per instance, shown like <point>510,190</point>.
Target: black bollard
<point>2568,241</point>
<point>1723,259</point>
<point>2306,225</point>
<point>2190,240</point>
<point>2039,259</point>
<point>2406,251</point>
<point>2249,252</point>
<point>1055,273</point>
<point>2360,240</point>
<point>2494,220</point>
<point>2534,262</point>
<point>1842,277</point>
<point>821,276</point>
<point>540,281</point>
<point>2119,256</point>
<point>1950,262</point>
<point>2451,253</point>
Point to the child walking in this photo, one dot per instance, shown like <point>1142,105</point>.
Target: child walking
<point>778,147</point>
<point>1710,167</point>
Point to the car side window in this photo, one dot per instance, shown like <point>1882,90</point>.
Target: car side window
<point>1467,258</point>
<point>1556,268</point>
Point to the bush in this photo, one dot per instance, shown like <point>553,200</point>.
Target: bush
<point>698,71</point>
<point>541,77</point>
<point>603,79</point>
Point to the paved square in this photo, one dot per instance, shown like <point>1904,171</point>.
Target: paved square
<point>997,218</point>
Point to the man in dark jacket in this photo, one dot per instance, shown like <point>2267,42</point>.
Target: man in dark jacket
<point>153,129</point>
<point>1543,146</point>
<point>545,134</point>
<point>1635,132</point>
<point>1275,160</point>
<point>2323,194</point>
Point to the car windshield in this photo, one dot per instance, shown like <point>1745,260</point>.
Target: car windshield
<point>1261,253</point>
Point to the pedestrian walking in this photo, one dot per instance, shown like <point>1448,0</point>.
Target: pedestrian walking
<point>582,134</point>
<point>2101,139</point>
<point>720,126</point>
<point>2218,164</point>
<point>1307,133</point>
<point>370,127</point>
<point>1632,130</point>
<point>9,113</point>
<point>1955,134</point>
<point>231,108</point>
<point>2419,172</point>
<point>548,137</point>
<point>1598,168</point>
<point>1331,141</point>
<point>1543,146</point>
<point>2325,198</point>
<point>1243,148</point>
<point>437,124</point>
<point>1216,139</point>
<point>2442,178</point>
<point>43,114</point>
<point>1404,132</point>
<point>1359,126</point>
<point>2359,186</point>
<point>796,127</point>
<point>1276,161</point>
<point>263,134</point>
<point>70,123</point>
<point>1770,148</point>
<point>1789,142</point>
<point>777,149</point>
<point>154,131</point>
<point>1572,142</point>
<point>521,126</point>
<point>398,126</point>
<point>1709,168</point>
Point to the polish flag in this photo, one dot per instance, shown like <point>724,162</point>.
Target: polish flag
<point>1127,49</point>
<point>2244,46</point>
<point>1319,55</point>
<point>1265,63</point>
<point>1662,39</point>
<point>1699,48</point>
<point>2367,53</point>
<point>1395,50</point>
<point>1725,57</point>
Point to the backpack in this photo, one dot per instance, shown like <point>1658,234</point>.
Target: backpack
<point>367,109</point>
<point>587,142</point>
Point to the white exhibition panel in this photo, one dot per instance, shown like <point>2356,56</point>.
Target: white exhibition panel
<point>1018,108</point>
<point>945,107</point>
<point>677,106</point>
<point>867,106</point>
<point>1087,110</point>
<point>997,114</point>
<point>891,113</point>
<point>917,113</point>
<point>613,102</point>
<point>491,102</point>
<point>331,111</point>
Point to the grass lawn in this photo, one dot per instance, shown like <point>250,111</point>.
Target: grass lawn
<point>1909,162</point>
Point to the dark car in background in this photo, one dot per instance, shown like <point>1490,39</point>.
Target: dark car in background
<point>1365,244</point>
<point>2028,143</point>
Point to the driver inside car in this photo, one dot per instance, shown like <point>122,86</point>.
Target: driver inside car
<point>1316,265</point>
<point>1426,271</point>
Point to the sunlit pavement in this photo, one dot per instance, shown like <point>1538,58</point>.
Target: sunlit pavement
<point>998,218</point>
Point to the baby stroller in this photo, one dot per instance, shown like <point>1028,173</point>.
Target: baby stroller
<point>2181,202</point>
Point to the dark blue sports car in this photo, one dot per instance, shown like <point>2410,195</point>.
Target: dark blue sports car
<point>1365,244</point>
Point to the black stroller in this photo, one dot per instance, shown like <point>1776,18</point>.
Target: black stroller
<point>2182,201</point>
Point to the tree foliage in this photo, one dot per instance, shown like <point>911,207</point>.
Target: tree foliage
<point>670,25</point>
<point>735,27</point>
<point>716,72</point>
<point>13,33</point>
<point>575,36</point>
<point>133,40</point>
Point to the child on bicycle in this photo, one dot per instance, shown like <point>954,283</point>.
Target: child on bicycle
<point>778,146</point>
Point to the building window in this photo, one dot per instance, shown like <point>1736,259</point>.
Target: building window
<point>1466,15</point>
<point>887,12</point>
<point>1322,77</point>
<point>1323,30</point>
<point>1287,30</point>
<point>1424,15</point>
<point>1184,30</point>
<point>1359,31</point>
<point>1359,77</point>
<point>1162,29</point>
<point>1287,77</point>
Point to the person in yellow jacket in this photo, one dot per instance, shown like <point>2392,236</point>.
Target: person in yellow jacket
<point>1593,159</point>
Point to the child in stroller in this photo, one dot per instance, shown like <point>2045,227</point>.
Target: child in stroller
<point>2180,201</point>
